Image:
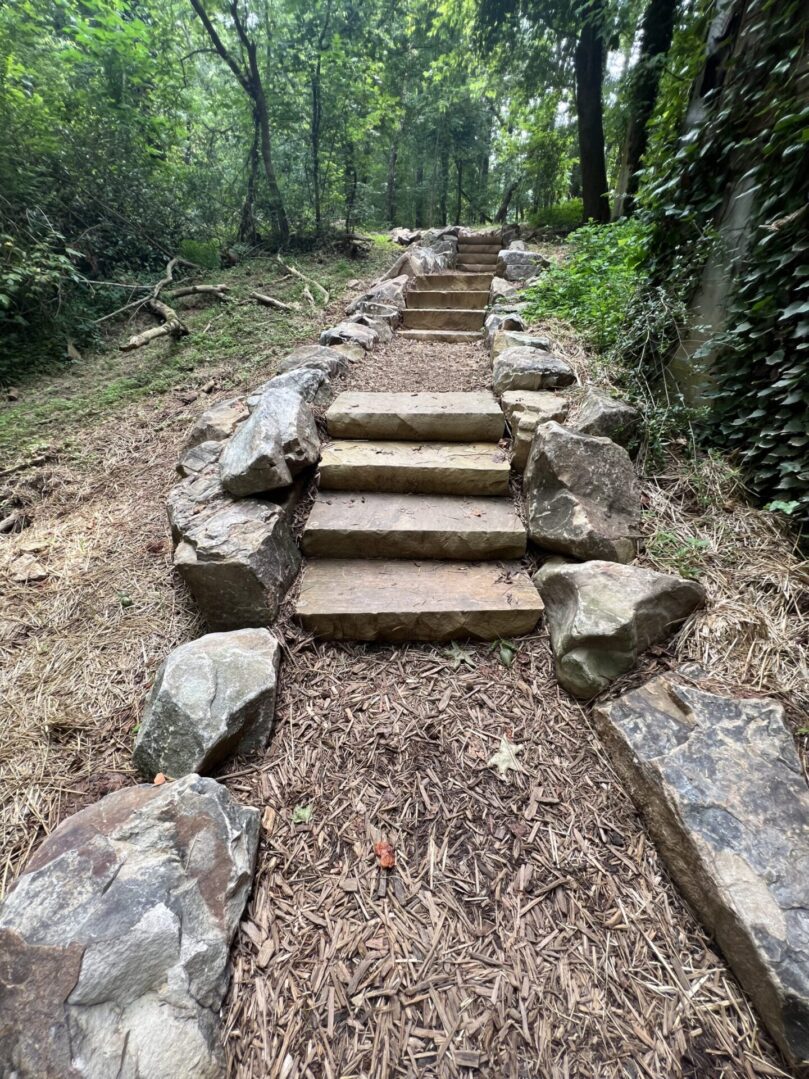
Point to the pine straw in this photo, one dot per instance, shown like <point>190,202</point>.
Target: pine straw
<point>528,921</point>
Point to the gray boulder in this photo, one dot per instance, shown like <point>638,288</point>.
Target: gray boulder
<point>315,357</point>
<point>218,422</point>
<point>501,320</point>
<point>506,338</point>
<point>582,495</point>
<point>388,292</point>
<point>721,790</point>
<point>277,442</point>
<point>212,698</point>
<point>525,410</point>
<point>598,414</point>
<point>310,383</point>
<point>601,616</point>
<point>115,939</point>
<point>516,265</point>
<point>500,289</point>
<point>524,368</point>
<point>198,457</point>
<point>387,312</point>
<point>365,336</point>
<point>237,556</point>
<point>380,325</point>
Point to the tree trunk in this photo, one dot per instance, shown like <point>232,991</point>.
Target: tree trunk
<point>419,195</point>
<point>589,67</point>
<point>350,182</point>
<point>657,29</point>
<point>443,182</point>
<point>508,195</point>
<point>247,222</point>
<point>314,134</point>
<point>459,191</point>
<point>391,186</point>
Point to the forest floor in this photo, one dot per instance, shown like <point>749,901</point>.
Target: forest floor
<point>528,928</point>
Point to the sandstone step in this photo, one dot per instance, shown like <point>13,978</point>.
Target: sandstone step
<point>450,337</point>
<point>477,248</point>
<point>442,318</point>
<point>444,417</point>
<point>476,268</point>
<point>482,240</point>
<point>446,298</point>
<point>376,600</point>
<point>443,468</point>
<point>374,525</point>
<point>463,281</point>
<point>477,258</point>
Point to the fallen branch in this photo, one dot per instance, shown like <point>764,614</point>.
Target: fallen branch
<point>221,291</point>
<point>307,280</point>
<point>270,301</point>
<point>173,326</point>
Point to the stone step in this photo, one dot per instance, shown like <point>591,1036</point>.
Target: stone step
<point>383,600</point>
<point>481,241</point>
<point>477,248</point>
<point>449,337</point>
<point>477,258</point>
<point>444,298</point>
<point>442,318</point>
<point>464,281</point>
<point>443,417</point>
<point>476,268</point>
<point>442,468</point>
<point>374,525</point>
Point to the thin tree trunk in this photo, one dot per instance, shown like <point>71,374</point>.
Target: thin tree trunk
<point>314,133</point>
<point>391,185</point>
<point>657,30</point>
<point>508,195</point>
<point>459,190</point>
<point>247,222</point>
<point>419,215</point>
<point>350,182</point>
<point>589,67</point>
<point>443,183</point>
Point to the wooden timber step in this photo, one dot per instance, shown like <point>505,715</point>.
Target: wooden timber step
<point>477,258</point>
<point>477,249</point>
<point>481,240</point>
<point>449,281</point>
<point>442,318</point>
<point>353,524</point>
<point>384,600</point>
<point>451,468</point>
<point>448,298</point>
<point>448,337</point>
<point>438,417</point>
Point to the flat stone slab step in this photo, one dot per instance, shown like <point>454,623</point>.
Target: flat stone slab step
<point>477,268</point>
<point>449,337</point>
<point>482,258</point>
<point>477,248</point>
<point>481,241</point>
<point>464,281</point>
<point>371,525</point>
<point>442,468</point>
<point>376,600</point>
<point>442,318</point>
<point>448,298</point>
<point>443,417</point>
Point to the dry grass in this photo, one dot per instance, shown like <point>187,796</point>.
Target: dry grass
<point>528,928</point>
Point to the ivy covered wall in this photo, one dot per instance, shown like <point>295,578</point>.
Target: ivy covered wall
<point>725,198</point>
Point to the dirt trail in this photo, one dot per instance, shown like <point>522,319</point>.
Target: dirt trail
<point>527,928</point>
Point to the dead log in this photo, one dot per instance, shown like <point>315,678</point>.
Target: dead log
<point>270,301</point>
<point>173,326</point>
<point>307,280</point>
<point>220,291</point>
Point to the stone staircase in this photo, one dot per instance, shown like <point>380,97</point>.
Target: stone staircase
<point>413,535</point>
<point>451,306</point>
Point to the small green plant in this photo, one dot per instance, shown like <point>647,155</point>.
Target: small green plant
<point>564,217</point>
<point>203,253</point>
<point>681,553</point>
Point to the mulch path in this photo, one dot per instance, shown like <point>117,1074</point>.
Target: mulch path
<point>527,928</point>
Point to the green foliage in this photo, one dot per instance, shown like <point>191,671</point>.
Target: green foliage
<point>753,129</point>
<point>594,287</point>
<point>200,252</point>
<point>682,554</point>
<point>563,217</point>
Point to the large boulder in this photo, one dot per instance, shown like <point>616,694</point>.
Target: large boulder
<point>390,292</point>
<point>115,939</point>
<point>316,357</point>
<point>218,422</point>
<point>582,495</point>
<point>211,698</point>
<point>525,368</point>
<point>237,556</point>
<point>385,312</point>
<point>500,289</point>
<point>514,264</point>
<point>432,255</point>
<point>277,442</point>
<point>405,236</point>
<point>309,382</point>
<point>525,410</point>
<point>508,338</point>
<point>720,788</point>
<point>365,336</point>
<point>197,458</point>
<point>601,616</point>
<point>381,325</point>
<point>607,417</point>
<point>501,320</point>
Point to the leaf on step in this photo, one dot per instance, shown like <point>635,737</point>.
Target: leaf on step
<point>457,655</point>
<point>505,759</point>
<point>385,853</point>
<point>301,814</point>
<point>506,652</point>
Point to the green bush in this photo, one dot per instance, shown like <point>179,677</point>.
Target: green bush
<point>203,253</point>
<point>595,286</point>
<point>564,217</point>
